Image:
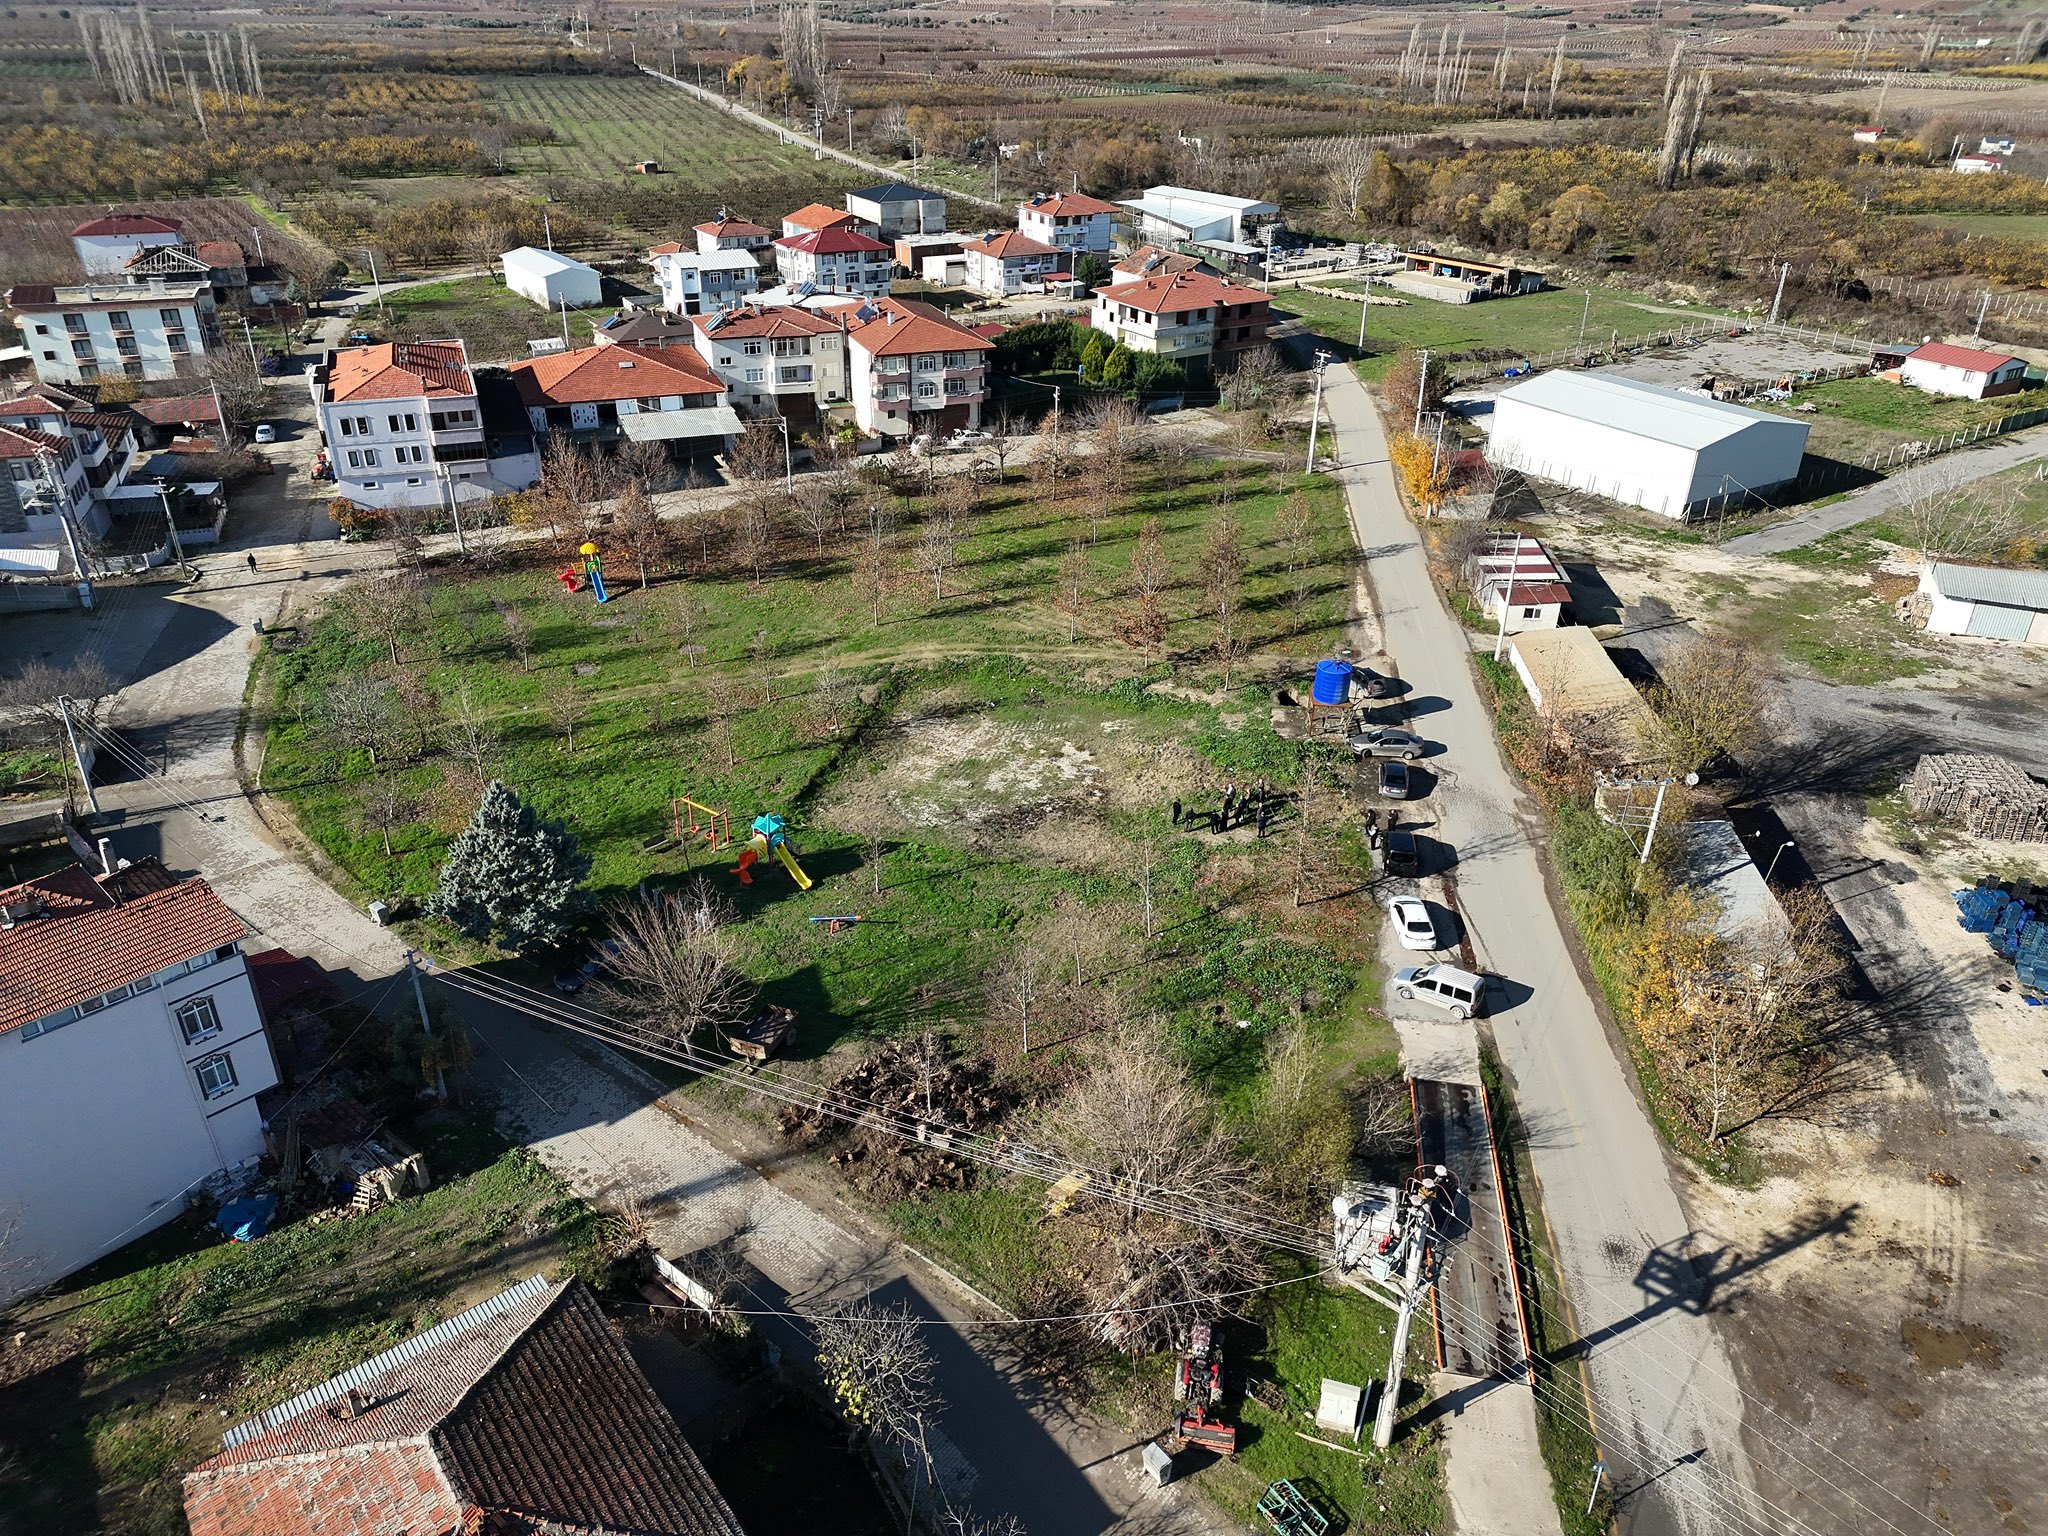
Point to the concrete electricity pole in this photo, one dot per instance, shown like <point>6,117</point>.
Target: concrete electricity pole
<point>1364,305</point>
<point>163,494</point>
<point>1585,314</point>
<point>419,996</point>
<point>1404,1317</point>
<point>1421,389</point>
<point>1778,299</point>
<point>1315,414</point>
<point>77,757</point>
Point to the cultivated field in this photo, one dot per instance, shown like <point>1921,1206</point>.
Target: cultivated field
<point>35,243</point>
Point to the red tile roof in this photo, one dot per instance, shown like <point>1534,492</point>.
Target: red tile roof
<point>173,410</point>
<point>1969,359</point>
<point>92,936</point>
<point>400,370</point>
<point>1181,292</point>
<point>130,224</point>
<point>221,253</point>
<point>27,442</point>
<point>666,248</point>
<point>1008,243</point>
<point>901,326</point>
<point>750,322</point>
<point>1539,592</point>
<point>526,1404</point>
<point>836,241</point>
<point>1157,261</point>
<point>741,229</point>
<point>1069,205</point>
<point>817,216</point>
<point>591,374</point>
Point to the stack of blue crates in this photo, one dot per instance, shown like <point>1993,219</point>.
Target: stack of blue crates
<point>2015,925</point>
<point>1980,907</point>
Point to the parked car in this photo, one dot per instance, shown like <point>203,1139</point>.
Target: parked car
<point>1404,854</point>
<point>1413,925</point>
<point>1394,779</point>
<point>265,432</point>
<point>1459,993</point>
<point>574,977</point>
<point>1386,742</point>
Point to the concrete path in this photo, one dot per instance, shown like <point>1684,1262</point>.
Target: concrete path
<point>1670,1414</point>
<point>1008,1445</point>
<point>1962,467</point>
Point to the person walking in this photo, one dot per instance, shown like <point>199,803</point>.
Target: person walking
<point>252,562</point>
<point>1176,810</point>
<point>1229,803</point>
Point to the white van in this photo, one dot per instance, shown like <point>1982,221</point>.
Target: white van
<point>1460,993</point>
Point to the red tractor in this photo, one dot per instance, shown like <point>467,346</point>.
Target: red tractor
<point>1199,1383</point>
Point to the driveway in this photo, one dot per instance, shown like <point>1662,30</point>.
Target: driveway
<point>1669,1411</point>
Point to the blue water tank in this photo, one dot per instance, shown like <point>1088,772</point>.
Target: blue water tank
<point>1333,682</point>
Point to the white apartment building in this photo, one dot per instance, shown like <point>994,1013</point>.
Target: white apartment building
<point>786,362</point>
<point>62,464</point>
<point>1068,221</point>
<point>1010,261</point>
<point>132,1049</point>
<point>726,233</point>
<point>913,371</point>
<point>835,260</point>
<point>106,245</point>
<point>1198,320</point>
<point>894,209</point>
<point>404,427</point>
<point>78,333</point>
<point>703,282</point>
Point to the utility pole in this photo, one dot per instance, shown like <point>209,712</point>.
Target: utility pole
<point>1436,457</point>
<point>565,321</point>
<point>1417,1230</point>
<point>1983,310</point>
<point>1364,304</point>
<point>1585,315</point>
<point>1778,299</point>
<point>375,284</point>
<point>788,469</point>
<point>1421,388</point>
<point>849,130</point>
<point>163,495</point>
<point>1315,414</point>
<point>419,996</point>
<point>547,229</point>
<point>1656,815</point>
<point>1507,596</point>
<point>454,509</point>
<point>77,757</point>
<point>249,337</point>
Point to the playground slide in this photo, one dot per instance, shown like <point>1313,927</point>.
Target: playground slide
<point>796,873</point>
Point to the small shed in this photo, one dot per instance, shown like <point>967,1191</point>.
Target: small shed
<point>1967,373</point>
<point>1518,584</point>
<point>550,279</point>
<point>1575,683</point>
<point>1989,602</point>
<point>646,167</point>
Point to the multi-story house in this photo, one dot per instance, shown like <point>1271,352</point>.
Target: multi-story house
<point>726,233</point>
<point>815,216</point>
<point>894,209</point>
<point>703,282</point>
<point>151,330</point>
<point>1071,221</point>
<point>834,261</point>
<point>654,328</point>
<point>221,264</point>
<point>132,1049</point>
<point>1008,262</point>
<point>1154,261</point>
<point>63,464</point>
<point>405,426</point>
<point>1199,321</point>
<point>913,371</point>
<point>106,245</point>
<point>787,362</point>
<point>606,395</point>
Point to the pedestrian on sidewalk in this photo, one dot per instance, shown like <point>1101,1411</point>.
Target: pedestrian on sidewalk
<point>252,562</point>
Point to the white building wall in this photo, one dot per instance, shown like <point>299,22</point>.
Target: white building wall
<point>108,255</point>
<point>106,1128</point>
<point>1759,457</point>
<point>1940,379</point>
<point>1591,456</point>
<point>1078,235</point>
<point>579,289</point>
<point>51,343</point>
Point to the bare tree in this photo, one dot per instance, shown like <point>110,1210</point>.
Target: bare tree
<point>721,731</point>
<point>674,967</point>
<point>753,535</point>
<point>518,633</point>
<point>873,575</point>
<point>1302,1128</point>
<point>470,734</point>
<point>569,482</point>
<point>878,1368</point>
<point>1714,698</point>
<point>938,545</point>
<point>638,527</point>
<point>384,806</point>
<point>813,508</point>
<point>1318,802</point>
<point>1145,856</point>
<point>1018,987</point>
<point>1134,1116</point>
<point>28,700</point>
<point>1258,382</point>
<point>869,816</point>
<point>1003,430</point>
<point>1070,587</point>
<point>1950,517</point>
<point>1350,165</point>
<point>1223,566</point>
<point>757,454</point>
<point>1146,624</point>
<point>358,710</point>
<point>565,707</point>
<point>1294,527</point>
<point>1052,464</point>
<point>836,696</point>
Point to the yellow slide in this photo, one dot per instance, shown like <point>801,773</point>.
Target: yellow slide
<point>796,873</point>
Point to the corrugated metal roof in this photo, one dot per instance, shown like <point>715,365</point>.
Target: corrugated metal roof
<point>532,259</point>
<point>1643,410</point>
<point>1989,584</point>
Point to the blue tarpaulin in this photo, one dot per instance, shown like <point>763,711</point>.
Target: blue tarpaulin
<point>247,1219</point>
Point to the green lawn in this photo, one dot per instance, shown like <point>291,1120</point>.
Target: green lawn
<point>2003,226</point>
<point>496,322</point>
<point>1532,323</point>
<point>129,1371</point>
<point>1858,416</point>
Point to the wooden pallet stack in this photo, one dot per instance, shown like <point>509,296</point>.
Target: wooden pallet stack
<point>1990,796</point>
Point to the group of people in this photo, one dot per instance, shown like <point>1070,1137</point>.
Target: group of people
<point>1237,809</point>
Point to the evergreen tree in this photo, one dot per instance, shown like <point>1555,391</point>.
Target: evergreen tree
<point>511,877</point>
<point>1158,377</point>
<point>1092,272</point>
<point>1093,356</point>
<point>1120,368</point>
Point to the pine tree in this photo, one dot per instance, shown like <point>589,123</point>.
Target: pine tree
<point>1092,357</point>
<point>510,878</point>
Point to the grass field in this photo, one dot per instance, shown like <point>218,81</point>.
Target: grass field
<point>1860,416</point>
<point>602,126</point>
<point>1536,322</point>
<point>2003,226</point>
<point>496,322</point>
<point>129,1371</point>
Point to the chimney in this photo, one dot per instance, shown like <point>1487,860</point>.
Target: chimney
<point>106,855</point>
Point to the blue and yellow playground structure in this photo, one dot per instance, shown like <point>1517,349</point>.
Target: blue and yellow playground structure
<point>694,821</point>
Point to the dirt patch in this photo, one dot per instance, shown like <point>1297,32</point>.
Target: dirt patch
<point>1935,1348</point>
<point>940,771</point>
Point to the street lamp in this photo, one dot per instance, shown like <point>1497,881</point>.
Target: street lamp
<point>1780,853</point>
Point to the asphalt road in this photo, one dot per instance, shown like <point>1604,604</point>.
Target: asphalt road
<point>1669,1411</point>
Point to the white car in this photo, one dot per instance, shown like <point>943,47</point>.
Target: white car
<point>1413,925</point>
<point>266,433</point>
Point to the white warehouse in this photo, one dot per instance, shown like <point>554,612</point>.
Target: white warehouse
<point>1663,450</point>
<point>551,280</point>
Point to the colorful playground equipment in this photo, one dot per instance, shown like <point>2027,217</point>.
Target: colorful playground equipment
<point>693,821</point>
<point>573,578</point>
<point>769,836</point>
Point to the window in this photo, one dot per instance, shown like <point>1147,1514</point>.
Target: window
<point>75,324</point>
<point>926,361</point>
<point>405,455</point>
<point>370,459</point>
<point>927,390</point>
<point>404,421</point>
<point>132,370</point>
<point>753,375</point>
<point>442,420</point>
<point>649,402</point>
<point>956,386</point>
<point>178,343</point>
<point>88,370</point>
<point>48,1022</point>
<point>751,349</point>
<point>81,349</point>
<point>355,458</point>
<point>198,1020</point>
<point>118,319</point>
<point>216,1075</point>
<point>173,319</point>
<point>128,346</point>
<point>1532,613</point>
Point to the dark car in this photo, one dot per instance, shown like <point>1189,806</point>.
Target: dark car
<point>1394,779</point>
<point>579,973</point>
<point>1386,742</point>
<point>1404,854</point>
